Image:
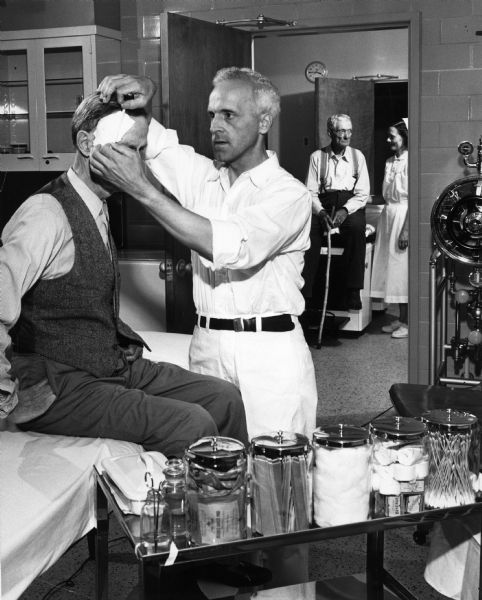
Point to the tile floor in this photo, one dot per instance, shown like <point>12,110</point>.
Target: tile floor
<point>354,373</point>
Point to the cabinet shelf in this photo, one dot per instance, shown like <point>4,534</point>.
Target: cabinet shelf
<point>19,83</point>
<point>14,117</point>
<point>43,78</point>
<point>59,114</point>
<point>64,81</point>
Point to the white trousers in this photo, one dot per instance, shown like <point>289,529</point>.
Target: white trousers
<point>273,370</point>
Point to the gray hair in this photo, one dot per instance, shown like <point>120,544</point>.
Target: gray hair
<point>331,122</point>
<point>266,95</point>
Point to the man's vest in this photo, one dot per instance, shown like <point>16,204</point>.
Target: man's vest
<point>74,319</point>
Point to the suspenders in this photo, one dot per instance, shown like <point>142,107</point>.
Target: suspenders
<point>324,168</point>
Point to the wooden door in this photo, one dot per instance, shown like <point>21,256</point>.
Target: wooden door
<point>351,97</point>
<point>191,53</point>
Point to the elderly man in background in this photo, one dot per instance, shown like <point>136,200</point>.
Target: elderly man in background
<point>75,368</point>
<point>339,184</point>
<point>247,223</point>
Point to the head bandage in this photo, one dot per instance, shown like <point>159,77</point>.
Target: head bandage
<point>112,128</point>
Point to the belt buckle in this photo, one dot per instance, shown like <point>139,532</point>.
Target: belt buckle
<point>238,324</point>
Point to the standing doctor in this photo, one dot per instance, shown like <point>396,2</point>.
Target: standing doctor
<point>247,222</point>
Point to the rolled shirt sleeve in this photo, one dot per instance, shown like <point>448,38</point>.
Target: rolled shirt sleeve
<point>276,223</point>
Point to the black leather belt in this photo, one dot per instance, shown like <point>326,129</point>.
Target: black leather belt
<point>276,323</point>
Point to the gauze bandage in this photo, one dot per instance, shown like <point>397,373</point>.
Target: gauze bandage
<point>112,128</point>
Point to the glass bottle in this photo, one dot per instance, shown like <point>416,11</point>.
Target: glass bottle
<point>281,465</point>
<point>216,490</point>
<point>155,523</point>
<point>341,475</point>
<point>399,465</point>
<point>175,494</point>
<point>453,445</point>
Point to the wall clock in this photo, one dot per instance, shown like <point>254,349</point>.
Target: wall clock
<point>314,70</point>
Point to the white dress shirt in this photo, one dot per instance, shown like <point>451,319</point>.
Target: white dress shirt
<point>37,244</point>
<point>260,229</point>
<point>261,226</point>
<point>347,172</point>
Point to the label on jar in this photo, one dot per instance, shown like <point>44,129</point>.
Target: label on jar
<point>413,503</point>
<point>218,521</point>
<point>417,485</point>
<point>393,506</point>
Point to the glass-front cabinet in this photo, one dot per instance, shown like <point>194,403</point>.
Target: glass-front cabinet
<point>44,75</point>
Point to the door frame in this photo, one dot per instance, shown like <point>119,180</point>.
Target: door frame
<point>412,22</point>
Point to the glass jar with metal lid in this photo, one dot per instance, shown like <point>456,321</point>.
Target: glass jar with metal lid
<point>453,446</point>
<point>281,465</point>
<point>216,490</point>
<point>399,465</point>
<point>341,475</point>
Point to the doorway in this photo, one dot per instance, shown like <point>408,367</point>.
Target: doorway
<point>382,54</point>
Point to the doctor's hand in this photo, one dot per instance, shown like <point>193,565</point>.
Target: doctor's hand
<point>131,91</point>
<point>403,240</point>
<point>120,166</point>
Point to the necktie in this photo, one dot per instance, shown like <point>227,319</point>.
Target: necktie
<point>104,226</point>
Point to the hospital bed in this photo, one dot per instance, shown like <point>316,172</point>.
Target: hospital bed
<point>47,486</point>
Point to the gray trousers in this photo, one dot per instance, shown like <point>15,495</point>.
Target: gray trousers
<point>159,405</point>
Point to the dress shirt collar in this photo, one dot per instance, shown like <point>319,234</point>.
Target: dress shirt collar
<point>346,156</point>
<point>259,175</point>
<point>92,201</point>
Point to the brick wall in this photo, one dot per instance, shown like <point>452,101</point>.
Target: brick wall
<point>450,99</point>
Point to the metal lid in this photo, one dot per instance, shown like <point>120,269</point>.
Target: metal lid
<point>280,443</point>
<point>449,419</point>
<point>220,453</point>
<point>395,427</point>
<point>341,436</point>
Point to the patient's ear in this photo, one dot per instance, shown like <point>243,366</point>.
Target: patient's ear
<point>85,141</point>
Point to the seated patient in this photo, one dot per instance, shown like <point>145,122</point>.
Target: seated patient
<point>62,343</point>
<point>339,185</point>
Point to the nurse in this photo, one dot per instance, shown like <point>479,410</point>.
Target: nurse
<point>390,262</point>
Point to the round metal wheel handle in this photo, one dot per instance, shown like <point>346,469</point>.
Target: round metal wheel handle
<point>183,268</point>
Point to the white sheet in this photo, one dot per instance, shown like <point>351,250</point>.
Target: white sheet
<point>47,486</point>
<point>46,500</point>
<point>167,347</point>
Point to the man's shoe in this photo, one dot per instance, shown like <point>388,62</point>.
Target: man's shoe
<point>401,332</point>
<point>353,300</point>
<point>390,328</point>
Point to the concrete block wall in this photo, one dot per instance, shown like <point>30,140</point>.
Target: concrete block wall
<point>450,94</point>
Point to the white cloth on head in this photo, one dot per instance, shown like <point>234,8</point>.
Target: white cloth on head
<point>112,128</point>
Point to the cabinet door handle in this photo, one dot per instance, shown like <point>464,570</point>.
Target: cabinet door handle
<point>50,156</point>
<point>25,157</point>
